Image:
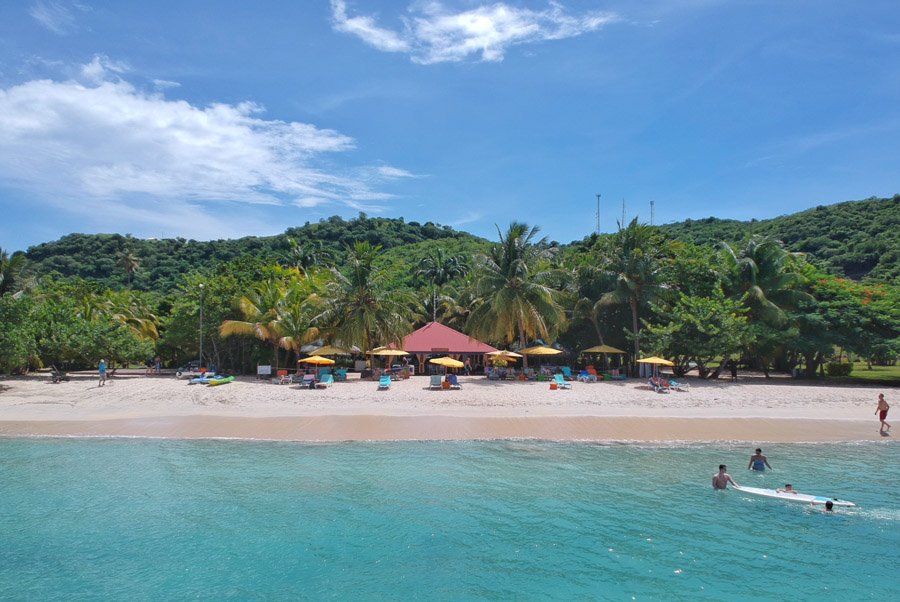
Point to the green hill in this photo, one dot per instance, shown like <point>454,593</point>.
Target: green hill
<point>161,263</point>
<point>857,239</point>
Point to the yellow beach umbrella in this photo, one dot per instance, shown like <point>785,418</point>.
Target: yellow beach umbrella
<point>317,360</point>
<point>603,349</point>
<point>329,350</point>
<point>507,356</point>
<point>540,350</point>
<point>447,362</point>
<point>387,351</point>
<point>656,360</point>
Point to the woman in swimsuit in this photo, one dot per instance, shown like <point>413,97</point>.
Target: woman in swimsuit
<point>758,461</point>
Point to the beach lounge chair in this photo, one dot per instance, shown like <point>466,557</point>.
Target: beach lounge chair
<point>57,375</point>
<point>592,371</point>
<point>567,373</point>
<point>282,378</point>
<point>658,386</point>
<point>326,381</point>
<point>615,375</point>
<point>340,374</point>
<point>494,374</point>
<point>384,382</point>
<point>561,382</point>
<point>435,381</point>
<point>530,374</point>
<point>586,377</point>
<point>679,386</point>
<point>454,382</point>
<point>308,382</point>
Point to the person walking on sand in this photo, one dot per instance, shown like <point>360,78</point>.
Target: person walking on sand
<point>468,366</point>
<point>882,412</point>
<point>758,461</point>
<point>722,478</point>
<point>102,369</point>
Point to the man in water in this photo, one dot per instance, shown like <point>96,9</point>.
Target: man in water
<point>787,489</point>
<point>829,506</point>
<point>758,461</point>
<point>882,411</point>
<point>722,478</point>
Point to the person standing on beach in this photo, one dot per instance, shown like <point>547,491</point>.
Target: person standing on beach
<point>468,366</point>
<point>882,412</point>
<point>158,364</point>
<point>722,478</point>
<point>758,461</point>
<point>102,370</point>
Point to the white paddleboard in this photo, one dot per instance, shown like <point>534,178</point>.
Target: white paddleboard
<point>793,497</point>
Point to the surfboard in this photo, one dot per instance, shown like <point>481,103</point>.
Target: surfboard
<point>220,381</point>
<point>793,497</point>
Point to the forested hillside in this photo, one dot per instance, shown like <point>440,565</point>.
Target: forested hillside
<point>117,261</point>
<point>857,239</point>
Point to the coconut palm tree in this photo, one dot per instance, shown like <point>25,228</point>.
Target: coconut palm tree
<point>129,263</point>
<point>10,270</point>
<point>515,281</point>
<point>360,308</point>
<point>760,274</point>
<point>634,258</point>
<point>261,309</point>
<point>306,256</point>
<point>439,268</point>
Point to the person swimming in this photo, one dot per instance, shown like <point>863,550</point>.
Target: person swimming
<point>758,461</point>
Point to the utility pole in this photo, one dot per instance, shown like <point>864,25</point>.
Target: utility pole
<point>201,325</point>
<point>598,214</point>
<point>651,212</point>
<point>623,212</point>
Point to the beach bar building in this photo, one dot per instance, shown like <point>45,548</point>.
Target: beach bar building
<point>437,339</point>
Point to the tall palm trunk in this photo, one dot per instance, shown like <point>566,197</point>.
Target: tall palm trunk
<point>633,304</point>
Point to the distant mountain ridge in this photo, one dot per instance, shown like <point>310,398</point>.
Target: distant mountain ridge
<point>857,239</point>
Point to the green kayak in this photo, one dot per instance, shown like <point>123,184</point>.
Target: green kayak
<point>220,381</point>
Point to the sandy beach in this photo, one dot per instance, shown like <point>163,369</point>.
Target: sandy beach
<point>753,409</point>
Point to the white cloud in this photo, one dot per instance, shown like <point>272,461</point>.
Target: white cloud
<point>56,16</point>
<point>86,146</point>
<point>435,34</point>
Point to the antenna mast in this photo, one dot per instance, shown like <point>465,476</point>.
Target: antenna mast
<point>651,212</point>
<point>598,214</point>
<point>623,212</point>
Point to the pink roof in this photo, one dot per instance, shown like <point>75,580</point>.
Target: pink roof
<point>437,338</point>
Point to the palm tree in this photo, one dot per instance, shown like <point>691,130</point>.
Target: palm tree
<point>132,310</point>
<point>760,275</point>
<point>360,308</point>
<point>10,270</point>
<point>440,268</point>
<point>129,263</point>
<point>634,258</point>
<point>516,281</point>
<point>261,309</point>
<point>306,256</point>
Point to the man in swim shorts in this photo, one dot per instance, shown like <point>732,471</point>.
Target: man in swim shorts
<point>758,461</point>
<point>882,411</point>
<point>722,478</point>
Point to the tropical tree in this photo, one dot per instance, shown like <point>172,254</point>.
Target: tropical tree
<point>359,308</point>
<point>516,283</point>
<point>261,311</point>
<point>762,275</point>
<point>10,270</point>
<point>305,256</point>
<point>440,269</point>
<point>129,262</point>
<point>635,257</point>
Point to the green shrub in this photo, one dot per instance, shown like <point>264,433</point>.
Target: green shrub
<point>838,369</point>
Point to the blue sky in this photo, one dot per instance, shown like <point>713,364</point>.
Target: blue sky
<point>223,119</point>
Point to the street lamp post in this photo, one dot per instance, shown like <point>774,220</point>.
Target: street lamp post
<point>201,325</point>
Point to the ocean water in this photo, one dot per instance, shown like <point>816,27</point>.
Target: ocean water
<point>142,519</point>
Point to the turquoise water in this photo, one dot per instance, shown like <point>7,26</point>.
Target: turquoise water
<point>138,519</point>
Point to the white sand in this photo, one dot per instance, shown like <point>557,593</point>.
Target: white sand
<point>752,409</point>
